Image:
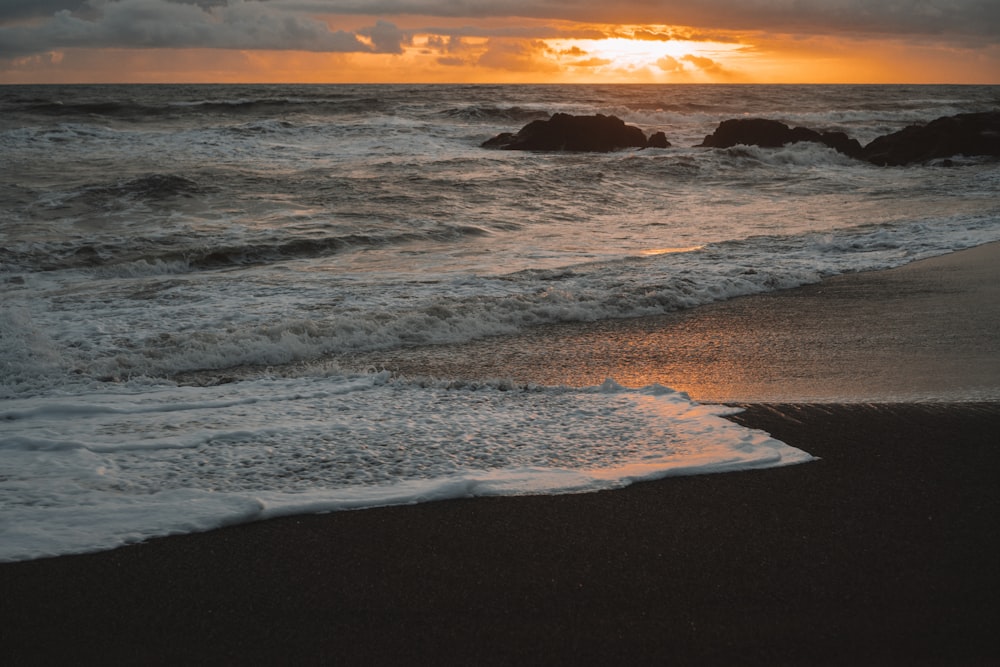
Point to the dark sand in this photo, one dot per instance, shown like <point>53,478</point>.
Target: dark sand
<point>882,552</point>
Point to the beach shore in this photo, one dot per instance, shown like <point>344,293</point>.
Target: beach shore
<point>929,330</point>
<point>881,552</point>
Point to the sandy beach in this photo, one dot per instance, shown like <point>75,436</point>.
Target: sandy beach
<point>881,552</point>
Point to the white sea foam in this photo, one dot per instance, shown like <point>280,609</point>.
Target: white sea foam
<point>96,471</point>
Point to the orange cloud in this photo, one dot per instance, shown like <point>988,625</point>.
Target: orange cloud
<point>517,56</point>
<point>590,62</point>
<point>670,64</point>
<point>704,64</point>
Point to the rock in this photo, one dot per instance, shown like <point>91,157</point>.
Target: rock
<point>749,132</point>
<point>965,134</point>
<point>841,143</point>
<point>657,140</point>
<point>775,134</point>
<point>502,140</point>
<point>563,132</point>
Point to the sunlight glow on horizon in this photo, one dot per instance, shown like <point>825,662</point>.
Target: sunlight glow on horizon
<point>672,60</point>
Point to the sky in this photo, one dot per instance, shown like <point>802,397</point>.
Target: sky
<point>500,41</point>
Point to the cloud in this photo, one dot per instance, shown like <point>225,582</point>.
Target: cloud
<point>453,51</point>
<point>706,65</point>
<point>517,56</point>
<point>525,31</point>
<point>931,17</point>
<point>651,35</point>
<point>670,64</point>
<point>386,37</point>
<point>147,24</point>
<point>690,62</point>
<point>38,26</point>
<point>12,10</point>
<point>591,62</point>
<point>30,27</point>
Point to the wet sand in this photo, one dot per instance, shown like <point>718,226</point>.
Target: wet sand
<point>929,330</point>
<point>881,552</point>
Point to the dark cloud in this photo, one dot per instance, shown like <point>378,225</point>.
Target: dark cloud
<point>932,17</point>
<point>386,37</point>
<point>518,32</point>
<point>442,44</point>
<point>167,24</point>
<point>11,10</point>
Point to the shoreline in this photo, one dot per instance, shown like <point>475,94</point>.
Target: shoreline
<point>880,552</point>
<point>925,331</point>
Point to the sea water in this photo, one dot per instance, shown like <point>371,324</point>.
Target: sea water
<point>154,238</point>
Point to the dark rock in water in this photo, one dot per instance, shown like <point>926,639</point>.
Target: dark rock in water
<point>563,132</point>
<point>965,134</point>
<point>775,134</point>
<point>502,140</point>
<point>749,132</point>
<point>839,142</point>
<point>657,140</point>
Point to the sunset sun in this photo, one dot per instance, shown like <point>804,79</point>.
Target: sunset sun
<point>663,59</point>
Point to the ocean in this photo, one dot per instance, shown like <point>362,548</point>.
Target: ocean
<point>186,272</point>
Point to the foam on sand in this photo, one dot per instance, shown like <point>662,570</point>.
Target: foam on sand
<point>97,471</point>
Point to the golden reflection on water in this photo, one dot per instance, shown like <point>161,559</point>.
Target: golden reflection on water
<point>667,251</point>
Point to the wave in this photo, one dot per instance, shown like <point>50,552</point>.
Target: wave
<point>683,107</point>
<point>481,113</point>
<point>331,106</point>
<point>125,257</point>
<point>151,186</point>
<point>802,154</point>
<point>110,108</point>
<point>130,110</point>
<point>261,127</point>
<point>216,257</point>
<point>342,321</point>
<point>115,194</point>
<point>120,195</point>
